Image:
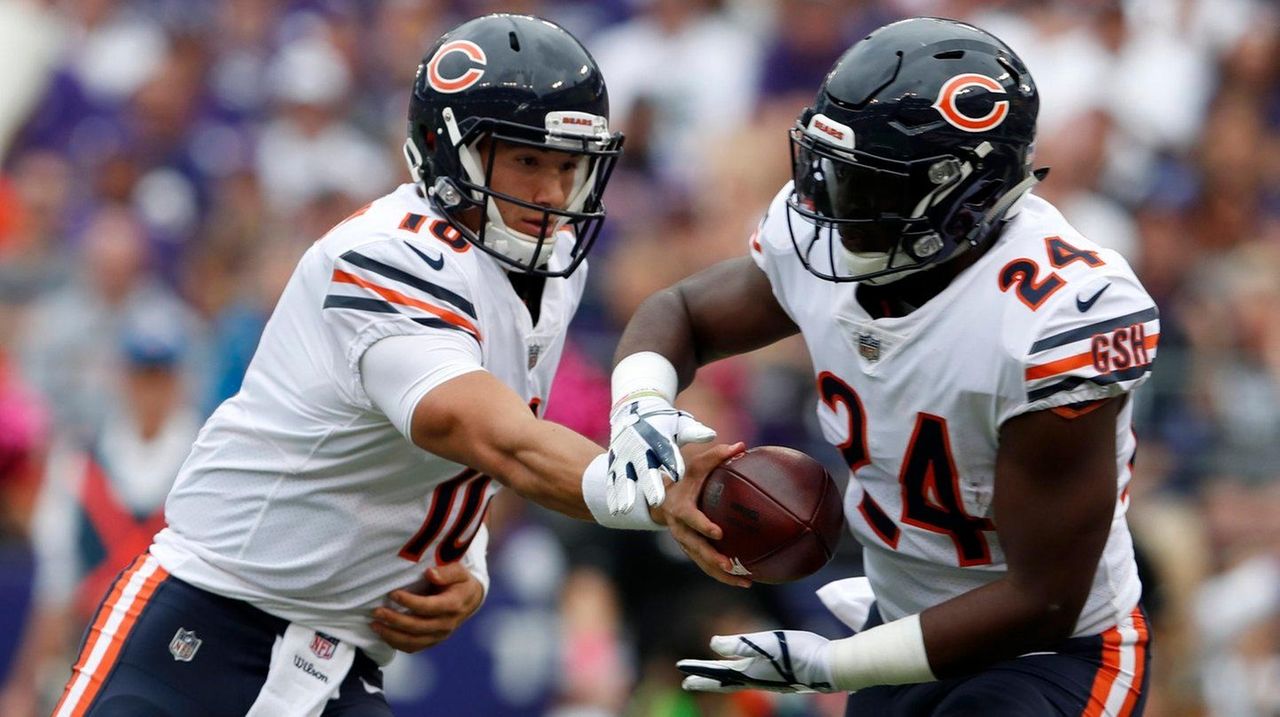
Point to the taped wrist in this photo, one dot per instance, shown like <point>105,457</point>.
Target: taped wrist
<point>641,373</point>
<point>595,485</point>
<point>889,654</point>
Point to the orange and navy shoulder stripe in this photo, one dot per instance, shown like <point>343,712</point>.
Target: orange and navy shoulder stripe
<point>1085,364</point>
<point>1085,332</point>
<point>111,627</point>
<point>448,309</point>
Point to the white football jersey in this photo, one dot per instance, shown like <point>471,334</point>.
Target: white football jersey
<point>299,495</point>
<point>1046,318</point>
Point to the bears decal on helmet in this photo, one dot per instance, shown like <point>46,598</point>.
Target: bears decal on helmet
<point>469,76</point>
<point>951,90</point>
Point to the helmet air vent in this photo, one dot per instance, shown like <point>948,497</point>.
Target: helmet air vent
<point>515,41</point>
<point>949,55</point>
<point>853,101</point>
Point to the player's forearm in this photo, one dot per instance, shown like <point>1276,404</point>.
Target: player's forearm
<point>722,311</point>
<point>956,638</point>
<point>479,422</point>
<point>662,325</point>
<point>998,621</point>
<point>544,462</point>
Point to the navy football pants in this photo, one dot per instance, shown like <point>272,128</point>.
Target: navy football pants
<point>1102,675</point>
<point>127,668</point>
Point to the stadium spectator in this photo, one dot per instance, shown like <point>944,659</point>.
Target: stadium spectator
<point>101,502</point>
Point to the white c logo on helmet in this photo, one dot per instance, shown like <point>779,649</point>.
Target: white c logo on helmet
<point>951,89</point>
<point>473,74</point>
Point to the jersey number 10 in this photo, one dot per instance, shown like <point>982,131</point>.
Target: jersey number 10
<point>474,487</point>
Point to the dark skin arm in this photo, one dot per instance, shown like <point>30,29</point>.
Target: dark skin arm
<point>724,310</point>
<point>1055,479</point>
<point>1055,494</point>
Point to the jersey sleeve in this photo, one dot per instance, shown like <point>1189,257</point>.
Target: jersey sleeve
<point>393,288</point>
<point>398,371</point>
<point>770,247</point>
<point>1092,343</point>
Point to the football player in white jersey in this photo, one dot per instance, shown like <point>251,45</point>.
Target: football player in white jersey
<point>396,385</point>
<point>974,358</point>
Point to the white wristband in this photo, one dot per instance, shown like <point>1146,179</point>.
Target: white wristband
<point>889,654</point>
<point>645,371</point>
<point>595,483</point>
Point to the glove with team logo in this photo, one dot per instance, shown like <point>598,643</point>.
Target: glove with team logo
<point>645,435</point>
<point>777,661</point>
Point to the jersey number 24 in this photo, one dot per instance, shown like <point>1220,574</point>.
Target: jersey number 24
<point>930,483</point>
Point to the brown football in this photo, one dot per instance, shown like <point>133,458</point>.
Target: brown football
<point>780,512</point>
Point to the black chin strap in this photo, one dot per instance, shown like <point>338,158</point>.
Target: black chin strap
<point>1001,207</point>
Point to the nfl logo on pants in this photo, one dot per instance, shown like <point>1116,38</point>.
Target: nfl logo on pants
<point>323,645</point>
<point>184,644</point>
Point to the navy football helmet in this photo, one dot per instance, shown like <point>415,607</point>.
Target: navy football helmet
<point>919,141</point>
<point>521,80</point>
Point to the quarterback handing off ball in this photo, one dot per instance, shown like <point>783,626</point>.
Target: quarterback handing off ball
<point>780,512</point>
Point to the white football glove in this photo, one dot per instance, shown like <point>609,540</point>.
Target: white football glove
<point>777,661</point>
<point>645,435</point>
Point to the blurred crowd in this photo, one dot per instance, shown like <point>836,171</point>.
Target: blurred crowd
<point>163,163</point>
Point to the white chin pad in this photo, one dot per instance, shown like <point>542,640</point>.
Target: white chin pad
<point>518,246</point>
<point>868,262</point>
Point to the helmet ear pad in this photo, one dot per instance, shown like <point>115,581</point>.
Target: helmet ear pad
<point>927,128</point>
<point>517,79</point>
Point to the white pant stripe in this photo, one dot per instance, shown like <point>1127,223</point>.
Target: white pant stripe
<point>1127,669</point>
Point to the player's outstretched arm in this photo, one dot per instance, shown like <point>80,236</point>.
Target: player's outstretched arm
<point>725,310</point>
<point>476,420</point>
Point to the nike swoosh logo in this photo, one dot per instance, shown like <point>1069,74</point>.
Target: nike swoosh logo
<point>436,263</point>
<point>370,688</point>
<point>1086,304</point>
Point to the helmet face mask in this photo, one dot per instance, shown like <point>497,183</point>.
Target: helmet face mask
<point>919,141</point>
<point>482,86</point>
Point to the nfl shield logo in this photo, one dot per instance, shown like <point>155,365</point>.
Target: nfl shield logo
<point>184,644</point>
<point>869,347</point>
<point>534,351</point>
<point>322,645</point>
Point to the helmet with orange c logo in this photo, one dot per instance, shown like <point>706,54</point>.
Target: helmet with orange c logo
<point>521,80</point>
<point>919,141</point>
